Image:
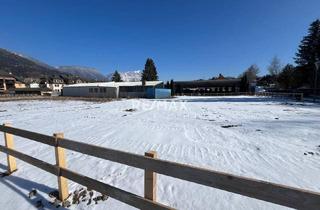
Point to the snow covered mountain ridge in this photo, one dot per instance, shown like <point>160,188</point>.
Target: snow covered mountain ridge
<point>128,76</point>
<point>131,76</point>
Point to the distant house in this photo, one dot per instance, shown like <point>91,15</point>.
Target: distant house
<point>7,82</point>
<point>69,80</point>
<point>19,84</point>
<point>54,83</point>
<point>118,90</point>
<point>34,85</point>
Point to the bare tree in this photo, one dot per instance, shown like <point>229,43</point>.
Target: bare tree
<point>252,72</point>
<point>275,66</point>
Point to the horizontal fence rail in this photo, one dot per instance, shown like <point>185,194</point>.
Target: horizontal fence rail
<point>262,190</point>
<point>118,194</point>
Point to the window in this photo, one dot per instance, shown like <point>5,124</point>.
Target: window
<point>95,90</point>
<point>133,88</point>
<point>90,90</point>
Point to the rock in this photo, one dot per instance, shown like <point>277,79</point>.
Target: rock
<point>32,193</point>
<point>91,194</point>
<point>130,110</point>
<point>54,194</point>
<point>83,194</point>
<point>66,203</point>
<point>230,126</point>
<point>39,204</point>
<point>105,197</point>
<point>75,199</point>
<point>56,203</point>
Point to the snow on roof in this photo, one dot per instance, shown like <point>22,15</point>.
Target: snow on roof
<point>114,84</point>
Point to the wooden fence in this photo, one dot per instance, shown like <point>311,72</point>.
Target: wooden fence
<point>262,190</point>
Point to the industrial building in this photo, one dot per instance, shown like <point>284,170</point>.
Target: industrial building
<point>150,89</point>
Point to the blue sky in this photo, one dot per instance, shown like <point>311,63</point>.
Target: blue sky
<point>187,39</point>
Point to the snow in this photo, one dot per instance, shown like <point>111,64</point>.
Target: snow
<point>267,141</point>
<point>127,76</point>
<point>131,76</point>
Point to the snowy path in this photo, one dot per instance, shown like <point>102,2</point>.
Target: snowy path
<point>268,142</point>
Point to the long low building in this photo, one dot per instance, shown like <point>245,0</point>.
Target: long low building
<point>117,90</point>
<point>208,86</point>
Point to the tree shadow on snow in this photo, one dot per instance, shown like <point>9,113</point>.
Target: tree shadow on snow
<point>16,184</point>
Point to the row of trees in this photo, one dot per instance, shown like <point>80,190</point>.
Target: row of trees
<point>290,76</point>
<point>148,74</point>
<point>285,77</point>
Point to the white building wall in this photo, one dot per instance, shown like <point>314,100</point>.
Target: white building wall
<point>87,91</point>
<point>34,85</point>
<point>56,87</point>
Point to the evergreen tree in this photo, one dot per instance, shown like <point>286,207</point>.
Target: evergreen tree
<point>244,86</point>
<point>267,80</point>
<point>172,87</point>
<point>116,77</point>
<point>287,76</point>
<point>150,72</point>
<point>167,85</point>
<point>309,49</point>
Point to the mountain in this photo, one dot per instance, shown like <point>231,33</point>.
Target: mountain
<point>29,69</point>
<point>23,67</point>
<point>40,63</point>
<point>129,76</point>
<point>90,74</point>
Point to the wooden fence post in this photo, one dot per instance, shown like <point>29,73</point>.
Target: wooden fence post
<point>61,162</point>
<point>150,180</point>
<point>8,138</point>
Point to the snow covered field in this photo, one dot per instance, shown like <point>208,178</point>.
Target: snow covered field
<point>262,138</point>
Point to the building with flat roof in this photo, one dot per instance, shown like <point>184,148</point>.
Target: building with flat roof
<point>207,86</point>
<point>114,89</point>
